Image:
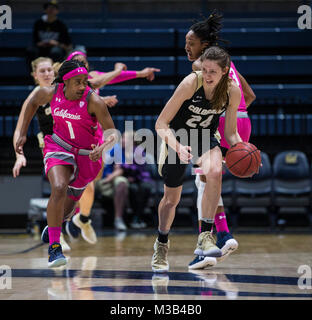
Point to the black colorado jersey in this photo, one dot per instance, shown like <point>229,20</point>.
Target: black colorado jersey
<point>45,119</point>
<point>197,112</point>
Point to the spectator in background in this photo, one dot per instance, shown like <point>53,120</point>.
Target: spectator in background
<point>138,177</point>
<point>126,182</point>
<point>50,35</point>
<point>114,185</point>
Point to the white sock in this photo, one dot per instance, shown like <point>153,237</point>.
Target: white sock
<point>201,187</point>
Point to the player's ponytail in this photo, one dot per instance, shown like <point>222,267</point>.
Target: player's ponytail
<point>209,28</point>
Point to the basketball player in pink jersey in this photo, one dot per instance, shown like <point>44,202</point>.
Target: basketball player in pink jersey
<point>43,72</point>
<point>72,154</point>
<point>201,36</point>
<point>81,221</point>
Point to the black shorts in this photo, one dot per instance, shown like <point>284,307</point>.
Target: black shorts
<point>224,151</point>
<point>173,174</point>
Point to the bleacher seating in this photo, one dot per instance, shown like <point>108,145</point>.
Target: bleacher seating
<point>292,65</point>
<point>277,58</point>
<point>262,124</point>
<point>258,37</point>
<point>266,65</point>
<point>99,38</point>
<point>159,94</point>
<point>165,38</point>
<point>292,184</point>
<point>254,195</point>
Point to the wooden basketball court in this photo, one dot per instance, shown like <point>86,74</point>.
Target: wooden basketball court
<point>118,267</point>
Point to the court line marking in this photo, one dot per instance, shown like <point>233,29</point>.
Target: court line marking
<point>23,251</point>
<point>147,275</point>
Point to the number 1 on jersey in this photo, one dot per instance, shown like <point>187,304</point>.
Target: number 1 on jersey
<point>71,130</point>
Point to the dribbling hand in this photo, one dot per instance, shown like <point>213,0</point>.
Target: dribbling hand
<point>184,153</point>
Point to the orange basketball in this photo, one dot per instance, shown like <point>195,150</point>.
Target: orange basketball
<point>243,159</point>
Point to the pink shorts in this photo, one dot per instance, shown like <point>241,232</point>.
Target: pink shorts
<point>85,170</point>
<point>243,128</point>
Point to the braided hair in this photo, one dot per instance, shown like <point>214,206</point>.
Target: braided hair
<point>208,29</point>
<point>66,67</point>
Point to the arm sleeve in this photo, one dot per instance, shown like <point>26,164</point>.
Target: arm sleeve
<point>124,76</point>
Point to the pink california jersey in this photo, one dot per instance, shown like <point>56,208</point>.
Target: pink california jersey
<point>72,121</point>
<point>233,74</point>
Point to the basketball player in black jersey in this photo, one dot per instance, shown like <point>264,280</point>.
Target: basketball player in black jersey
<point>43,74</point>
<point>195,107</point>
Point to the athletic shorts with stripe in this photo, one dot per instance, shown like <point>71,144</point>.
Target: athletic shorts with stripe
<point>170,166</point>
<point>84,169</point>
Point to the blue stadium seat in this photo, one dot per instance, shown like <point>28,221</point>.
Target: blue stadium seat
<point>189,195</point>
<point>262,124</point>
<point>280,124</point>
<point>140,95</point>
<point>99,38</point>
<point>1,126</point>
<point>283,93</point>
<point>154,20</point>
<point>309,124</point>
<point>291,183</point>
<point>165,64</point>
<point>13,67</point>
<point>259,37</point>
<point>165,38</point>
<point>147,95</point>
<point>10,124</point>
<point>260,183</point>
<point>254,118</point>
<point>254,195</point>
<point>124,38</point>
<point>261,65</point>
<point>227,191</point>
<point>138,122</point>
<point>291,173</point>
<point>154,184</point>
<point>246,65</point>
<point>271,124</point>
